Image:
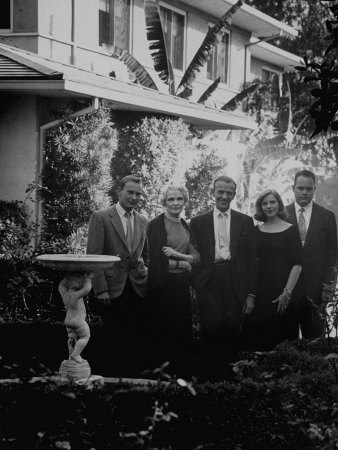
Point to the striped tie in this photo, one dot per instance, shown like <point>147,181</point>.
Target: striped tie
<point>129,233</point>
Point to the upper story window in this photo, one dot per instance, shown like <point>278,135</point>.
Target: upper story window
<point>218,62</point>
<point>173,24</point>
<point>5,14</point>
<point>114,22</point>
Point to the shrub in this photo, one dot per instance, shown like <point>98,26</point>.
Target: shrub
<point>153,148</point>
<point>205,167</point>
<point>283,401</point>
<point>77,159</point>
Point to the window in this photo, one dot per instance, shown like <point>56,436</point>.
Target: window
<point>267,74</point>
<point>173,28</point>
<point>114,22</point>
<point>218,62</point>
<point>5,14</point>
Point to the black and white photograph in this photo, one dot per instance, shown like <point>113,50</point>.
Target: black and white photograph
<point>168,224</point>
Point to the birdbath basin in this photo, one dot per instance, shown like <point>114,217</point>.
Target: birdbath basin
<point>79,269</point>
<point>77,263</point>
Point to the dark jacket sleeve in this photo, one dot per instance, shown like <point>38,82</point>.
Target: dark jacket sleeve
<point>158,262</point>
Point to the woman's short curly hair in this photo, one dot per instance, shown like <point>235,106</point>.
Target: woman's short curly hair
<point>174,187</point>
<point>259,214</point>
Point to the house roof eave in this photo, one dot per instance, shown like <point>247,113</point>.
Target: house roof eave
<point>135,98</point>
<point>247,17</point>
<point>275,55</point>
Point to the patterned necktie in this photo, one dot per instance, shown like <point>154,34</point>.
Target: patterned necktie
<point>302,225</point>
<point>222,236</point>
<point>129,233</point>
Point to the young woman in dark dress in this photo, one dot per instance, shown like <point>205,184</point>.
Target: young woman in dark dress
<point>171,256</point>
<point>279,266</point>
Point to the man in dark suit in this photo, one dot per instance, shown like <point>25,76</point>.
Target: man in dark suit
<point>318,233</point>
<point>226,278</point>
<point>121,231</point>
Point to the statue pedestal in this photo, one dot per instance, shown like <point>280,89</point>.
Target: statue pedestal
<point>80,374</point>
<point>74,370</point>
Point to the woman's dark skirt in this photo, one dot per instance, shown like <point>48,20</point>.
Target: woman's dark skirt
<point>173,324</point>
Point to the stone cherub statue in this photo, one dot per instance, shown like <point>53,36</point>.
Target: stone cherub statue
<point>72,289</point>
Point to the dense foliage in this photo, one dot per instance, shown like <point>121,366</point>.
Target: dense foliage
<point>77,158</point>
<point>199,177</point>
<point>282,400</point>
<point>152,147</point>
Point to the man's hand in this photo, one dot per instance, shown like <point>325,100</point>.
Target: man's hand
<point>103,298</point>
<point>249,304</point>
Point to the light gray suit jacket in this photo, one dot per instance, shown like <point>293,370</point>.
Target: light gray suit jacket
<point>106,237</point>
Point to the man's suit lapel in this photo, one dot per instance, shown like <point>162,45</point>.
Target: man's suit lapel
<point>117,224</point>
<point>292,214</point>
<point>235,227</point>
<point>139,230</point>
<point>314,223</point>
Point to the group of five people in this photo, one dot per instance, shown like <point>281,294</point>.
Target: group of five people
<point>255,286</point>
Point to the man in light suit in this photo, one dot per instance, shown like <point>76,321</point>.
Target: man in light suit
<point>121,231</point>
<point>226,278</point>
<point>318,233</point>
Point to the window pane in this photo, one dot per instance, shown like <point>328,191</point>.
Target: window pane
<point>212,63</point>
<point>121,23</point>
<point>5,14</point>
<point>266,75</point>
<point>103,27</point>
<point>166,27</point>
<point>173,30</point>
<point>223,58</point>
<point>178,40</point>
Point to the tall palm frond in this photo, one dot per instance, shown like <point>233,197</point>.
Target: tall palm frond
<point>136,68</point>
<point>231,105</point>
<point>157,45</point>
<point>207,93</point>
<point>202,53</point>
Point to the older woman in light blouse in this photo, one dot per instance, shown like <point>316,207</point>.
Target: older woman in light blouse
<point>171,257</point>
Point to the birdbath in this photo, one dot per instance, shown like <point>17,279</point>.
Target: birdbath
<point>73,287</point>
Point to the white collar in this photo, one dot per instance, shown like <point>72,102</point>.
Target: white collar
<point>217,212</point>
<point>307,208</point>
<point>122,211</point>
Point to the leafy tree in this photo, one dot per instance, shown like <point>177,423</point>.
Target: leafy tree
<point>307,16</point>
<point>206,166</point>
<point>77,157</point>
<point>152,147</point>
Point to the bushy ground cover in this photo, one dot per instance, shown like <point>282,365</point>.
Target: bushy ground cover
<point>284,399</point>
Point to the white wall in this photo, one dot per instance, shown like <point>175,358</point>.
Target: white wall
<point>18,145</point>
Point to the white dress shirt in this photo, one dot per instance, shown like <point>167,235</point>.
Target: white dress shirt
<point>306,213</point>
<point>223,254</point>
<point>121,211</point>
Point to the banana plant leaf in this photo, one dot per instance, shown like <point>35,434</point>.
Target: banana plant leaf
<point>136,68</point>
<point>186,93</point>
<point>231,105</point>
<point>157,44</point>
<point>202,53</point>
<point>207,93</point>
